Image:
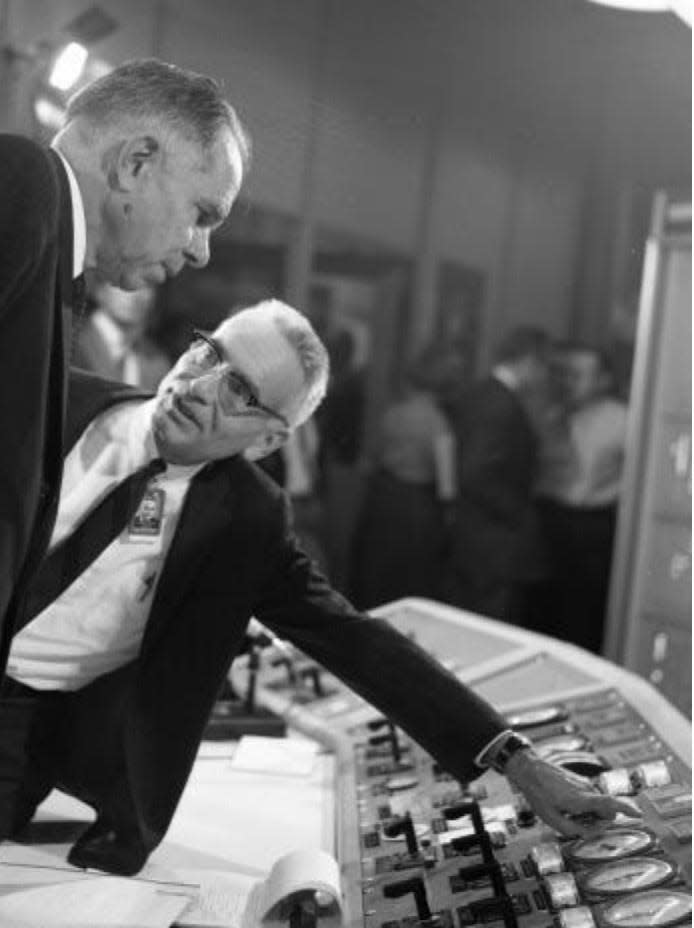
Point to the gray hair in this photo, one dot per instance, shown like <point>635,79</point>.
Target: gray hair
<point>189,103</point>
<point>310,351</point>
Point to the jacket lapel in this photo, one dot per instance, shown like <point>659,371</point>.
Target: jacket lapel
<point>205,514</point>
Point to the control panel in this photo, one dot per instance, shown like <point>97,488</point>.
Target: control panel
<point>418,848</point>
<point>433,851</point>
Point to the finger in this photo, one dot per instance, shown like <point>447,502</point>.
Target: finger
<point>627,807</point>
<point>560,822</point>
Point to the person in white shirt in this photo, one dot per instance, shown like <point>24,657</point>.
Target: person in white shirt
<point>578,494</point>
<point>110,685</point>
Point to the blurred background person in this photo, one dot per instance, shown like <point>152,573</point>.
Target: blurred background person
<point>578,493</point>
<point>497,559</point>
<point>340,424</point>
<point>400,537</point>
<point>115,341</point>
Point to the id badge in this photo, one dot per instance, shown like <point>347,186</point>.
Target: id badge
<point>146,524</point>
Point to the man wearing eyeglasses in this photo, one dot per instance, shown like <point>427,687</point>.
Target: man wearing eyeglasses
<point>111,681</point>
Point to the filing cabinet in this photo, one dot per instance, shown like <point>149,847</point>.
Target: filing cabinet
<point>649,622</point>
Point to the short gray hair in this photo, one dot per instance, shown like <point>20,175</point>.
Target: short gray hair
<point>310,351</point>
<point>189,103</point>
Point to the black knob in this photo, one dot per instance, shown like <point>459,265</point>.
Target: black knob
<point>415,885</point>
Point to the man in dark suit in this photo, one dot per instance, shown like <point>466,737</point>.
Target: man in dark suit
<point>497,556</point>
<point>149,161</point>
<point>111,682</point>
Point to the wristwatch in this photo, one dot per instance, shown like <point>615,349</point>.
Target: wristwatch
<point>505,748</point>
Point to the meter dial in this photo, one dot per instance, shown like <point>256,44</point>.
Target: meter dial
<point>612,845</point>
<point>560,743</point>
<point>625,876</point>
<point>655,909</point>
<point>532,717</point>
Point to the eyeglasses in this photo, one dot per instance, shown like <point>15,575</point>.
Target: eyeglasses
<point>204,356</point>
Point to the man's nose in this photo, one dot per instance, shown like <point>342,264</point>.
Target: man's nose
<point>197,253</point>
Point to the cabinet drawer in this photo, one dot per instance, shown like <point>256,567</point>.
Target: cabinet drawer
<point>666,569</point>
<point>673,468</point>
<point>664,658</point>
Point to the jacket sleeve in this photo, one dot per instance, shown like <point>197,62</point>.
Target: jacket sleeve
<point>387,669</point>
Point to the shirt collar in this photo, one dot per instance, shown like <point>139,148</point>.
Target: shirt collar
<point>141,444</point>
<point>79,222</point>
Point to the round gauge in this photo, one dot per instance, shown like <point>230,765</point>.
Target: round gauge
<point>656,909</point>
<point>624,876</point>
<point>612,845</point>
<point>560,743</point>
<point>532,717</point>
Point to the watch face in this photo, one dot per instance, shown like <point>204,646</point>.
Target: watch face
<point>656,909</point>
<point>532,717</point>
<point>612,845</point>
<point>622,876</point>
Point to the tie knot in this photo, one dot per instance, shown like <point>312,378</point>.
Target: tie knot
<point>157,466</point>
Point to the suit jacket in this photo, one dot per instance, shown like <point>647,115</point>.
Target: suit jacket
<point>497,534</point>
<point>234,555</point>
<point>36,241</point>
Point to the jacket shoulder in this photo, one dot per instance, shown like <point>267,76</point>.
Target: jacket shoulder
<point>29,187</point>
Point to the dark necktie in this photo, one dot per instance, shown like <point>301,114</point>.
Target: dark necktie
<point>74,554</point>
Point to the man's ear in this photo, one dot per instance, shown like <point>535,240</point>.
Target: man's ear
<point>269,442</point>
<point>131,161</point>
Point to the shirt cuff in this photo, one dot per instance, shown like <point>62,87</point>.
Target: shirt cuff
<point>486,755</point>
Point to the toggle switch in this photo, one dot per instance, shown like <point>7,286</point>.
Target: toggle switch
<point>314,676</point>
<point>489,871</point>
<point>403,826</point>
<point>390,738</point>
<point>415,885</point>
<point>289,666</point>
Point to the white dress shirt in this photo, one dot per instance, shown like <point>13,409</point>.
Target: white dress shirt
<point>97,624</point>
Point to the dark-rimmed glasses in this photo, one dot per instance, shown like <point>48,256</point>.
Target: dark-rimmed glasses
<point>235,393</point>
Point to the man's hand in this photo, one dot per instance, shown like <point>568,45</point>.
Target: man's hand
<point>565,801</point>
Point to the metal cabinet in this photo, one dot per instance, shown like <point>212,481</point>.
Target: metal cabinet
<point>649,620</point>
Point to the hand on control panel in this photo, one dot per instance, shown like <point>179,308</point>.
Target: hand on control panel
<point>565,801</point>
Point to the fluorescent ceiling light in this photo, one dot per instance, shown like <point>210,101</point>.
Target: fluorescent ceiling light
<point>68,66</point>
